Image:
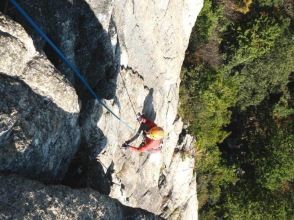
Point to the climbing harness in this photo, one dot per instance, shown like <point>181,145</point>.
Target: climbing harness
<point>65,60</point>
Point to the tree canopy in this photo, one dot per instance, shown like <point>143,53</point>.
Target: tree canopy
<point>240,108</point>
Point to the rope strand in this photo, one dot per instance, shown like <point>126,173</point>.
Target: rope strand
<point>75,70</point>
<point>124,84</point>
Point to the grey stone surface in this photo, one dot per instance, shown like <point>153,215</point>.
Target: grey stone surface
<point>26,199</point>
<point>79,32</point>
<point>39,132</point>
<point>153,37</point>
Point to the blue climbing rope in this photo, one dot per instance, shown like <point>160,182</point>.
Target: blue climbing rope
<point>65,60</point>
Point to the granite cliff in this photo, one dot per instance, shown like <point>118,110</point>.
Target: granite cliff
<point>52,131</point>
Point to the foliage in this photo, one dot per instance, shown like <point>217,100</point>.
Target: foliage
<point>206,96</point>
<point>285,107</point>
<point>252,40</point>
<point>282,109</point>
<point>278,167</point>
<point>194,81</point>
<point>245,7</point>
<point>206,24</point>
<point>266,75</point>
<point>212,175</point>
<point>248,201</point>
<point>213,114</point>
<point>270,2</point>
<point>241,113</point>
<point>265,155</point>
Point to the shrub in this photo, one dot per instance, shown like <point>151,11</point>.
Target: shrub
<point>267,75</point>
<point>246,7</point>
<point>278,166</point>
<point>270,3</point>
<point>205,26</point>
<point>249,102</point>
<point>251,40</point>
<point>206,97</point>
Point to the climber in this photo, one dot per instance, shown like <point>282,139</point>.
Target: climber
<point>152,137</point>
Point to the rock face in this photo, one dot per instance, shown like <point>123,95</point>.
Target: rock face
<point>138,45</point>
<point>153,52</point>
<point>26,199</point>
<point>38,110</point>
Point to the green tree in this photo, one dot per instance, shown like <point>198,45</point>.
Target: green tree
<point>206,24</point>
<point>277,168</point>
<point>248,201</point>
<point>275,3</point>
<point>206,97</point>
<point>255,38</point>
<point>241,112</point>
<point>267,75</point>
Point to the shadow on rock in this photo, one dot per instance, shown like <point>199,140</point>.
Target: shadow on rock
<point>85,170</point>
<point>149,112</point>
<point>37,138</point>
<point>94,48</point>
<point>148,108</point>
<point>75,29</point>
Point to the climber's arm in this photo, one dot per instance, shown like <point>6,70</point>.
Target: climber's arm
<point>143,148</point>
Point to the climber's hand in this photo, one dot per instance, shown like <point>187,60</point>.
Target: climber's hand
<point>139,117</point>
<point>125,145</point>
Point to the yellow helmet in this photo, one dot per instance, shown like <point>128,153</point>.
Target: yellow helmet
<point>155,133</point>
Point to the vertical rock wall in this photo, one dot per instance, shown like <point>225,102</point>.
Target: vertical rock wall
<point>153,36</point>
<point>142,42</point>
<point>39,132</point>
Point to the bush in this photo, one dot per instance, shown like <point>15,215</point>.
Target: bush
<point>245,8</point>
<point>270,3</point>
<point>212,175</point>
<point>241,113</point>
<point>285,107</point>
<point>206,97</point>
<point>250,202</point>
<point>246,42</point>
<point>205,26</point>
<point>277,167</point>
<point>267,75</point>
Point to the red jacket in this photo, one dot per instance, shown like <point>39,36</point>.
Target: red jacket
<point>149,144</point>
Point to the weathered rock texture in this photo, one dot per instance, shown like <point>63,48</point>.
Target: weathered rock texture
<point>39,133</point>
<point>142,42</point>
<point>153,36</point>
<point>26,199</point>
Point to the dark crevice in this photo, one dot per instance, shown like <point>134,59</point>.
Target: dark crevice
<point>182,136</point>
<point>51,55</point>
<point>85,170</point>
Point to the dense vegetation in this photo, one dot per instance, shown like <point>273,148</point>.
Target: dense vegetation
<point>237,94</point>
